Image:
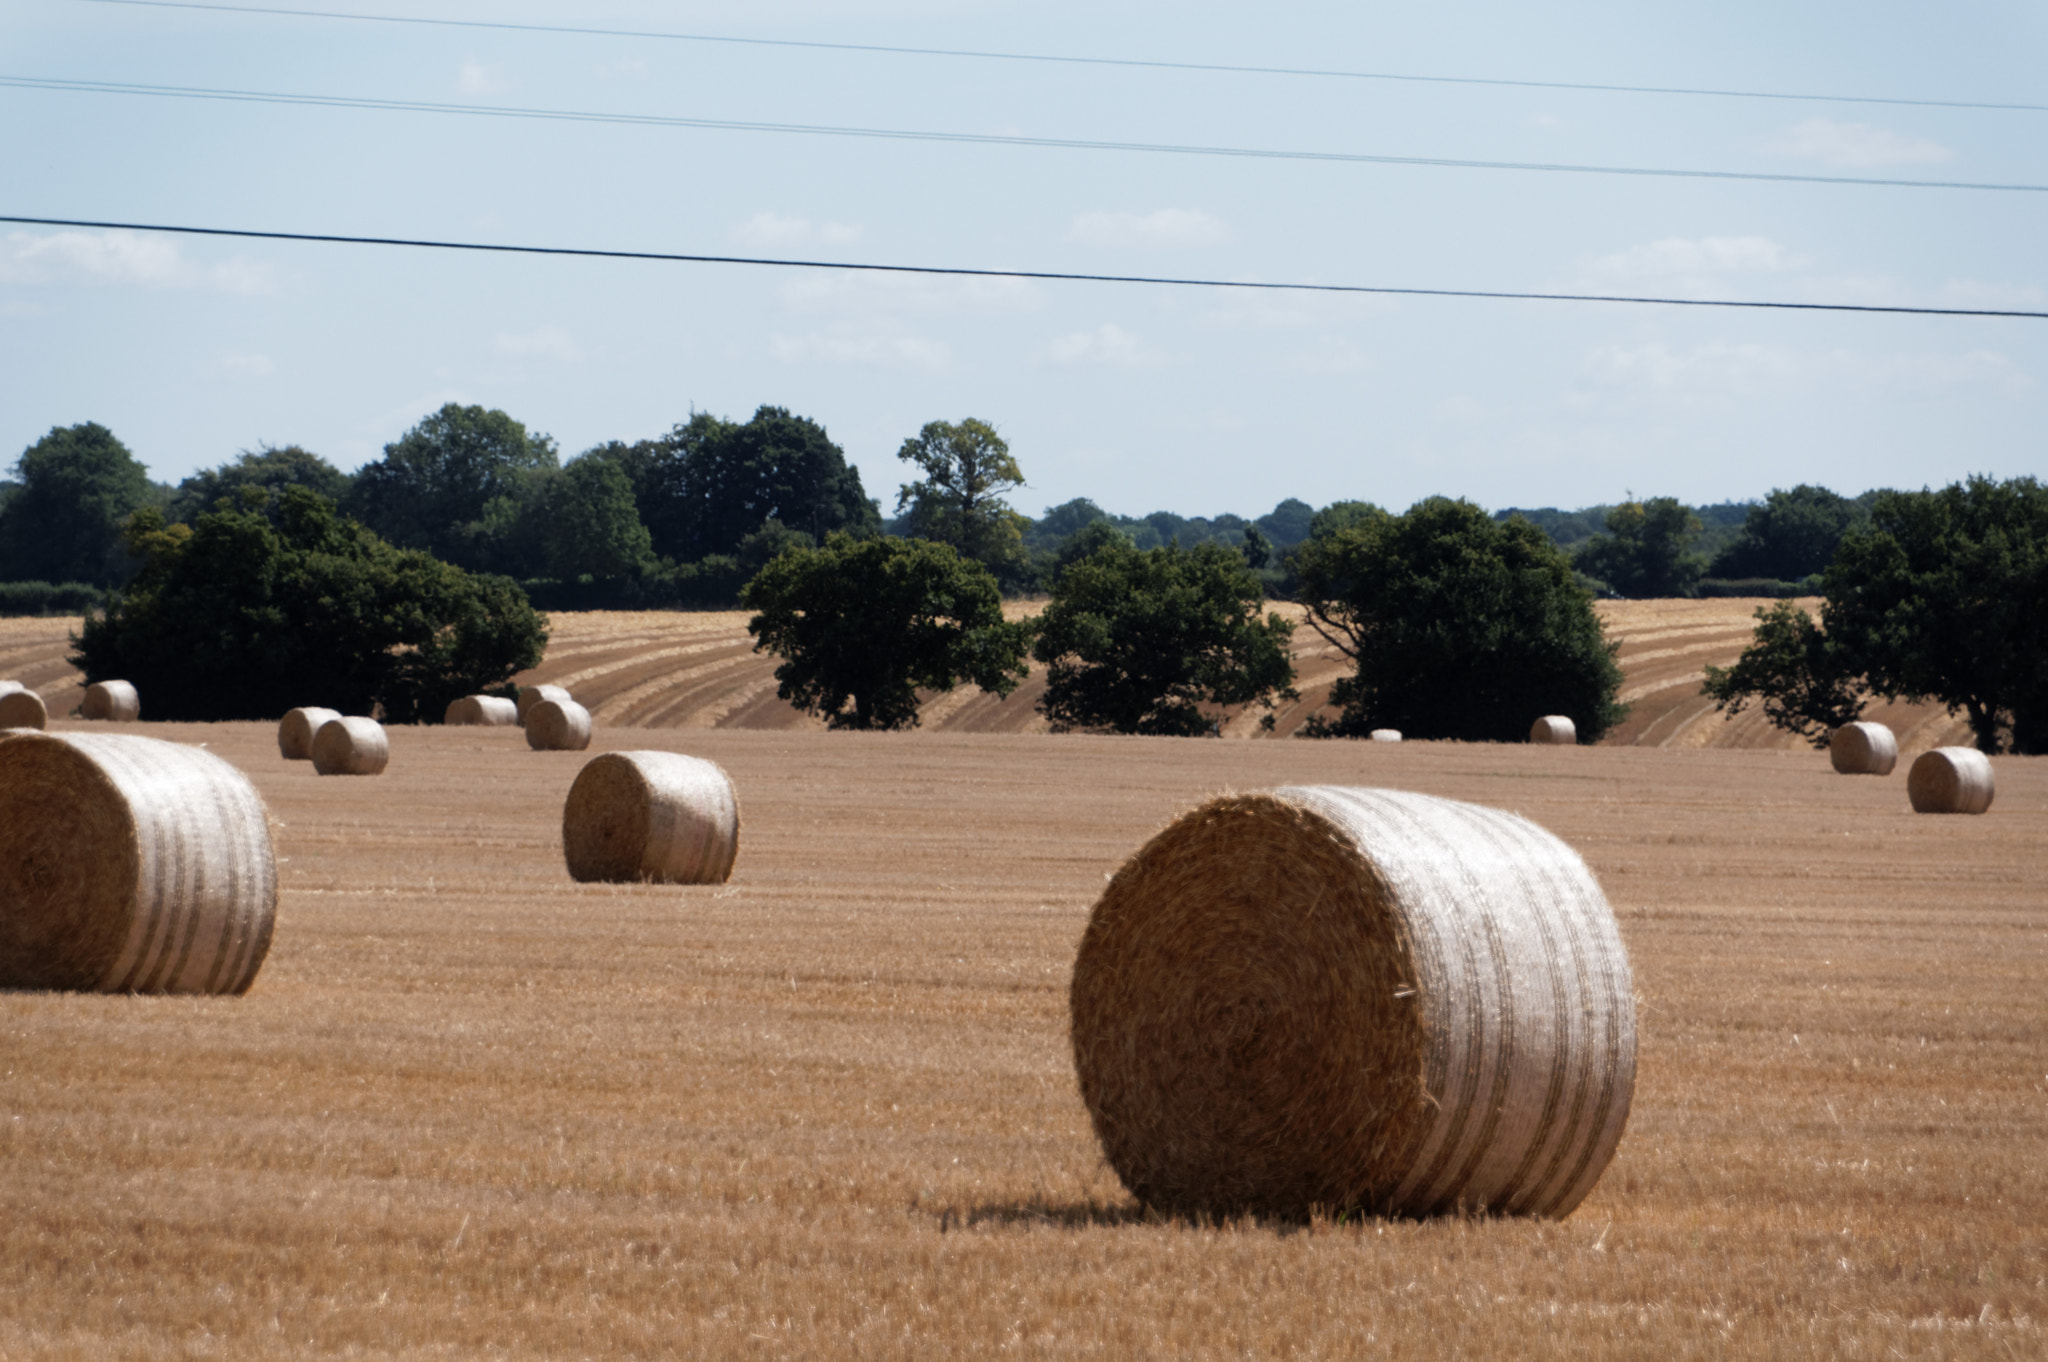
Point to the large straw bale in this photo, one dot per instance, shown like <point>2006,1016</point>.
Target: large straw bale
<point>114,700</point>
<point>651,816</point>
<point>1386,735</point>
<point>529,696</point>
<point>558,726</point>
<point>130,865</point>
<point>1950,780</point>
<point>351,746</point>
<point>1863,749</point>
<point>1354,999</point>
<point>295,731</point>
<point>483,711</point>
<point>1555,730</point>
<point>21,708</point>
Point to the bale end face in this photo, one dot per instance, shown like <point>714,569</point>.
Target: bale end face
<point>1863,749</point>
<point>1950,780</point>
<point>295,731</point>
<point>659,816</point>
<point>111,700</point>
<point>21,708</point>
<point>351,746</point>
<point>481,711</point>
<point>558,726</point>
<point>529,696</point>
<point>1554,730</point>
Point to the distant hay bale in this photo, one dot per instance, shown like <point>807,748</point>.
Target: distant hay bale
<point>351,746</point>
<point>651,816</point>
<point>21,708</point>
<point>130,865</point>
<point>115,700</point>
<point>1950,780</point>
<point>1554,730</point>
<point>1386,735</point>
<point>529,696</point>
<point>1863,749</point>
<point>558,726</point>
<point>1354,999</point>
<point>482,711</point>
<point>295,731</point>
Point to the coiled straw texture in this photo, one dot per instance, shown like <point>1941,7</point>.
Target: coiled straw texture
<point>1555,730</point>
<point>1951,780</point>
<point>130,865</point>
<point>351,746</point>
<point>1346,999</point>
<point>21,708</point>
<point>558,726</point>
<point>295,731</point>
<point>482,711</point>
<point>529,696</point>
<point>115,700</point>
<point>1863,749</point>
<point>651,816</point>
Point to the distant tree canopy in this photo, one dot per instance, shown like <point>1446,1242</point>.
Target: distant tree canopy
<point>592,527</point>
<point>267,467</point>
<point>445,481</point>
<point>1645,549</point>
<point>1461,626</point>
<point>253,610</point>
<point>1942,595</point>
<point>1789,536</point>
<point>1135,640</point>
<point>967,469</point>
<point>863,624</point>
<point>63,524</point>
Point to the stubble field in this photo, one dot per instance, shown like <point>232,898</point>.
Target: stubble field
<point>473,1109</point>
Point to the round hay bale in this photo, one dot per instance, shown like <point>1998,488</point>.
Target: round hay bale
<point>1554,730</point>
<point>529,696</point>
<point>130,865</point>
<point>295,731</point>
<point>1950,780</point>
<point>351,746</point>
<point>482,711</point>
<point>115,700</point>
<point>1386,735</point>
<point>558,726</point>
<point>1863,749</point>
<point>9,687</point>
<point>21,708</point>
<point>651,816</point>
<point>1348,999</point>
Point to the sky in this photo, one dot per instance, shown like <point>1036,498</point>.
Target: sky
<point>1142,396</point>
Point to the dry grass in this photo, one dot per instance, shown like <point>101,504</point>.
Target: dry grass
<point>473,1109</point>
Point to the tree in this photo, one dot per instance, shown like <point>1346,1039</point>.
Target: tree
<point>1135,640</point>
<point>434,487</point>
<point>1942,595</point>
<point>592,528</point>
<point>78,483</point>
<point>1644,551</point>
<point>1790,535</point>
<point>1805,684</point>
<point>1460,626</point>
<point>245,614</point>
<point>268,467</point>
<point>959,500</point>
<point>863,624</point>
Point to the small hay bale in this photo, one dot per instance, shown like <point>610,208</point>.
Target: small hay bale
<point>1950,780</point>
<point>1863,749</point>
<point>351,746</point>
<point>1386,735</point>
<point>1554,730</point>
<point>130,865</point>
<point>482,711</point>
<point>529,696</point>
<point>1348,999</point>
<point>295,731</point>
<point>21,708</point>
<point>115,700</point>
<point>651,816</point>
<point>558,726</point>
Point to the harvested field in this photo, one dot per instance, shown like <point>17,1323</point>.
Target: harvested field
<point>471,1108</point>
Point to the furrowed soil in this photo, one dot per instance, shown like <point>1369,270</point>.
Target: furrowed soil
<point>473,1109</point>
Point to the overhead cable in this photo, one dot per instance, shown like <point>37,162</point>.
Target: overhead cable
<point>1044,275</point>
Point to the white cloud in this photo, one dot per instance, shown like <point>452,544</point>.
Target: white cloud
<point>1168,227</point>
<point>475,78</point>
<point>1682,256</point>
<point>1331,354</point>
<point>1854,145</point>
<point>1109,345</point>
<point>882,294</point>
<point>783,229</point>
<point>121,258</point>
<point>247,366</point>
<point>1721,370</point>
<point>546,342</point>
<point>846,343</point>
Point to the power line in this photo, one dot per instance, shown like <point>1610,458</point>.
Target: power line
<point>1080,61</point>
<point>972,138</point>
<point>1049,275</point>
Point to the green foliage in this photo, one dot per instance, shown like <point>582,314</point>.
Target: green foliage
<point>1461,626</point>
<point>1644,553</point>
<point>592,527</point>
<point>253,610</point>
<point>48,598</point>
<point>1135,639</point>
<point>1789,535</point>
<point>863,624</point>
<point>1804,683</point>
<point>435,488</point>
<point>78,483</point>
<point>959,500</point>
<point>267,467</point>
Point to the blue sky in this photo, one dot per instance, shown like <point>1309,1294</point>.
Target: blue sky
<point>1143,397</point>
